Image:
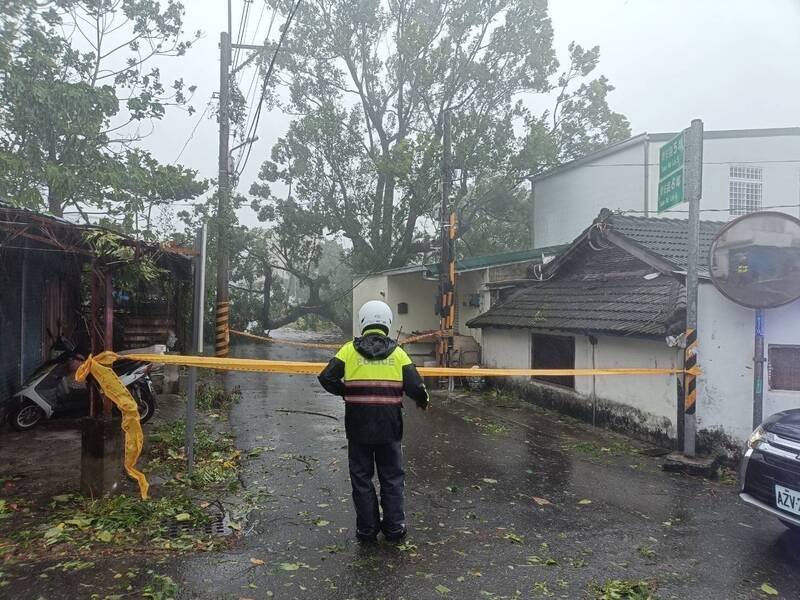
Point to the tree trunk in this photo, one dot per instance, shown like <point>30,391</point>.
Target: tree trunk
<point>265,317</point>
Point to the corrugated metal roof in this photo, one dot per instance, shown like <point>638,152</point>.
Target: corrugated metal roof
<point>473,263</point>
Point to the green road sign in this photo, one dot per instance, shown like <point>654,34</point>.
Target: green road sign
<point>670,190</point>
<point>670,173</point>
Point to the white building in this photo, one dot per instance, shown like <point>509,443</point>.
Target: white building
<point>743,171</point>
<point>610,300</point>
<point>412,292</point>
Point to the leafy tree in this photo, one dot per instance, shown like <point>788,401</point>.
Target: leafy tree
<point>82,84</point>
<point>370,83</point>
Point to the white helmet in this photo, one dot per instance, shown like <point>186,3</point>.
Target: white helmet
<point>374,313</point>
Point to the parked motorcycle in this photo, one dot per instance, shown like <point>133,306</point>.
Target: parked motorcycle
<point>51,391</point>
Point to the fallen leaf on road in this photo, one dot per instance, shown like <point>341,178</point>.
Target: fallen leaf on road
<point>183,517</point>
<point>321,523</point>
<point>442,589</point>
<point>768,589</point>
<point>104,536</point>
<point>289,566</point>
<point>488,480</point>
<point>584,502</point>
<point>256,561</point>
<point>542,501</point>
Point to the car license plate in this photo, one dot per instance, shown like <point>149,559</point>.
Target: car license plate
<point>787,499</point>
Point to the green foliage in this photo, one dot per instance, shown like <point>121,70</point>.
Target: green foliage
<point>370,84</point>
<point>130,267</point>
<point>618,589</point>
<point>70,114</point>
<point>216,459</point>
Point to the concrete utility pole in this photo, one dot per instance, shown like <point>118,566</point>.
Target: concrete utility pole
<point>224,212</point>
<point>222,334</point>
<point>447,271</point>
<point>694,189</point>
<point>198,302</point>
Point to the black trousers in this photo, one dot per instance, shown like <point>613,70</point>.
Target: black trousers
<point>388,458</point>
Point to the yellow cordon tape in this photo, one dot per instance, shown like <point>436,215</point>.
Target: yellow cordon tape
<point>263,338</point>
<point>99,368</point>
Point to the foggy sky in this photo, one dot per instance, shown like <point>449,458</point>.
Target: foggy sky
<point>732,63</point>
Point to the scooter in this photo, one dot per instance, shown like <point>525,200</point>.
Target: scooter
<point>51,391</point>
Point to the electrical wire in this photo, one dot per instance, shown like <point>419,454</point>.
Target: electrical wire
<point>250,96</point>
<point>707,210</point>
<point>240,37</point>
<point>254,127</point>
<point>721,162</point>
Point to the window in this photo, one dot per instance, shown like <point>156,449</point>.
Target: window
<point>745,190</point>
<point>553,352</point>
<point>402,308</point>
<point>784,368</point>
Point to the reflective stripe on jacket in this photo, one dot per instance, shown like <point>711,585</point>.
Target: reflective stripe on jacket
<point>371,373</point>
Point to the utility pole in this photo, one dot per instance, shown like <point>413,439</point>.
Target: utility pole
<point>447,275</point>
<point>222,334</point>
<point>694,189</point>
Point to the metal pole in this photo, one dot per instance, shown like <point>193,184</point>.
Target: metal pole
<point>108,322</point>
<point>198,304</point>
<point>444,220</point>
<point>693,181</point>
<point>758,371</point>
<point>222,335</point>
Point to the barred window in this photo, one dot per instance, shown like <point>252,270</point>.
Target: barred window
<point>745,190</point>
<point>784,368</point>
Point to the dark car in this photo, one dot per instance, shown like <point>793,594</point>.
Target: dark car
<point>770,472</point>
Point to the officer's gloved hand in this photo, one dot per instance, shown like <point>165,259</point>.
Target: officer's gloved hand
<point>423,404</point>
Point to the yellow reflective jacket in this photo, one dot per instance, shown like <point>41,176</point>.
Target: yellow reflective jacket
<point>371,373</point>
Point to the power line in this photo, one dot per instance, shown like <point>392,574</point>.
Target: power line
<point>194,130</point>
<point>250,96</point>
<point>714,210</point>
<point>245,16</point>
<point>722,162</point>
<point>256,118</point>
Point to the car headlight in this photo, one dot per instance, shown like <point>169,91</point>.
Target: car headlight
<point>756,437</point>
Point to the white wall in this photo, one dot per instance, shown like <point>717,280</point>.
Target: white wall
<point>781,326</point>
<point>372,288</point>
<point>725,355</point>
<point>420,295</point>
<point>655,395</point>
<point>471,282</point>
<point>507,348</point>
<point>566,203</point>
<point>781,178</point>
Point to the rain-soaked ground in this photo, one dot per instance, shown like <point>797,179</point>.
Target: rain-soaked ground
<point>502,501</point>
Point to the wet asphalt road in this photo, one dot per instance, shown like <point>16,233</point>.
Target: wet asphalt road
<point>473,470</point>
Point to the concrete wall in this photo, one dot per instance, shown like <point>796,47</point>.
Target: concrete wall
<point>567,202</point>
<point>656,396</point>
<point>781,179</point>
<point>374,287</point>
<point>420,295</point>
<point>470,283</point>
<point>725,354</point>
<point>781,326</point>
<point>653,399</point>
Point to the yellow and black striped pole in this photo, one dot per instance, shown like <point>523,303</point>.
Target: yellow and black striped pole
<point>689,378</point>
<point>222,330</point>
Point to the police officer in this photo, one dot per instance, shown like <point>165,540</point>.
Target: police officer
<point>371,373</point>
